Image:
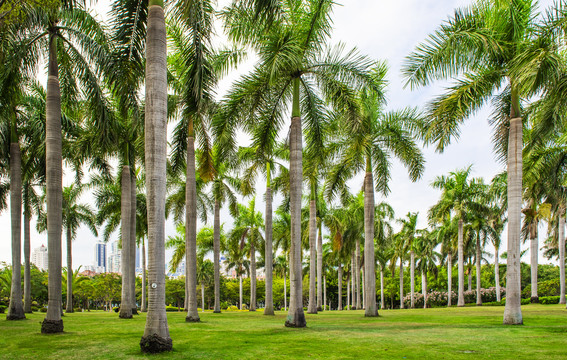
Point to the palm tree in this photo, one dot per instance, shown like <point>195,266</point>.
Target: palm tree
<point>366,142</point>
<point>383,240</point>
<point>282,241</point>
<point>408,232</point>
<point>460,196</point>
<point>427,257</point>
<point>281,268</point>
<point>248,228</point>
<point>493,45</point>
<point>73,38</point>
<point>205,272</point>
<point>296,66</point>
<point>497,220</point>
<point>447,234</point>
<point>156,334</point>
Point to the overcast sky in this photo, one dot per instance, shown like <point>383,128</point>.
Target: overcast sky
<point>385,30</point>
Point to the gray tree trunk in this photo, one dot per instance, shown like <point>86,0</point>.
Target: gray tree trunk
<point>284,292</point>
<point>295,317</point>
<point>513,310</point>
<point>561,257</point>
<point>126,209</point>
<point>216,256</point>
<point>412,279</point>
<point>382,289</point>
<point>252,276</point>
<point>370,308</point>
<point>133,245</point>
<point>156,334</point>
<point>144,307</point>
<point>54,192</point>
<point>240,291</point>
<point>325,293</point>
<point>27,270</point>
<point>478,257</point>
<point>461,300</point>
<point>364,288</point>
<point>424,288</point>
<point>340,286</point>
<point>191,231</point>
<point>353,280</point>
<point>16,309</point>
<point>269,302</point>
<point>312,306</point>
<point>348,292</point>
<point>357,277</point>
<point>401,283</point>
<point>497,274</point>
<point>319,267</point>
<point>69,308</point>
<point>534,249</point>
<point>449,278</point>
<point>202,297</point>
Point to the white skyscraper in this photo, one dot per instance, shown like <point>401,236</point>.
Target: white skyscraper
<point>100,257</point>
<point>114,260</point>
<point>39,257</point>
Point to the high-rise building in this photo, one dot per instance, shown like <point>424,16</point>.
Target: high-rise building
<point>114,261</point>
<point>138,260</point>
<point>39,257</point>
<point>100,257</point>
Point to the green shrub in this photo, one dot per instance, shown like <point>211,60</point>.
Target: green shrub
<point>232,308</point>
<point>172,308</point>
<point>43,309</point>
<point>546,300</point>
<point>526,301</point>
<point>2,309</point>
<point>34,308</point>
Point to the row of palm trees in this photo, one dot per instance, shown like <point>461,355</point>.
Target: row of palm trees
<point>504,52</point>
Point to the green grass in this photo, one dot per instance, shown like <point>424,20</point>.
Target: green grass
<point>456,333</point>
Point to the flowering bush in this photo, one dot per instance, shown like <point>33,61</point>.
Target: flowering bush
<point>439,298</point>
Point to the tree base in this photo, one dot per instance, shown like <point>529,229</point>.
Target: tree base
<point>125,314</point>
<point>16,313</point>
<point>192,319</point>
<point>216,312</point>
<point>319,308</point>
<point>371,314</point>
<point>477,304</point>
<point>269,312</point>
<point>312,312</point>
<point>51,326</point>
<point>154,344</point>
<point>296,321</point>
<point>135,311</point>
<point>534,299</point>
<point>68,311</point>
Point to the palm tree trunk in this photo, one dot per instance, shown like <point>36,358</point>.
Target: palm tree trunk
<point>319,267</point>
<point>382,289</point>
<point>513,310</point>
<point>54,192</point>
<point>156,334</point>
<point>533,264</point>
<point>133,246</point>
<point>144,282</point>
<point>412,279</point>
<point>295,317</point>
<point>353,281</point>
<point>312,307</point>
<point>348,292</point>
<point>69,308</point>
<point>369,257</point>
<point>561,244</point>
<point>469,274</point>
<point>461,300</point>
<point>240,291</point>
<point>269,301</point>
<point>216,255</point>
<point>325,292</point>
<point>401,283</point>
<point>203,296</point>
<point>284,292</point>
<point>449,279</point>
<point>126,209</point>
<point>27,270</point>
<point>424,288</point>
<point>497,273</point>
<point>191,229</point>
<point>363,288</point>
<point>357,277</point>
<point>252,276</point>
<point>16,309</point>
<point>340,286</point>
<point>478,257</point>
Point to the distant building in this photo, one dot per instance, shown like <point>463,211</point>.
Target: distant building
<point>138,261</point>
<point>180,271</point>
<point>114,259</point>
<point>100,257</point>
<point>39,257</point>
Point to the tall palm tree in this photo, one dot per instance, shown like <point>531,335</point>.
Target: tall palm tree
<point>282,241</point>
<point>460,195</point>
<point>236,258</point>
<point>494,45</point>
<point>427,258</point>
<point>409,232</point>
<point>281,268</point>
<point>447,234</point>
<point>248,228</point>
<point>205,272</point>
<point>497,219</point>
<point>366,142</point>
<point>156,334</point>
<point>74,214</point>
<point>297,64</point>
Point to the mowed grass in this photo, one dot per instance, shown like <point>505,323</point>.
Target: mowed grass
<point>456,333</point>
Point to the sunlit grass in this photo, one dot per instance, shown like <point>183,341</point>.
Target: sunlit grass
<point>456,333</point>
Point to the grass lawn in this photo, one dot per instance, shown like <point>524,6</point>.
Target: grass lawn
<point>456,333</point>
